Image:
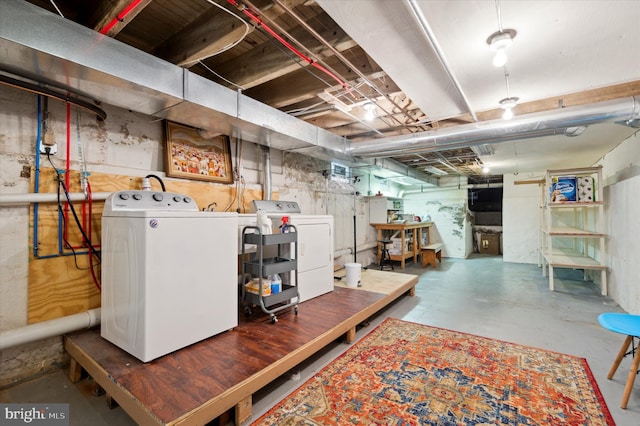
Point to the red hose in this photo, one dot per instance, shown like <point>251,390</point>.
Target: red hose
<point>289,46</point>
<point>120,16</point>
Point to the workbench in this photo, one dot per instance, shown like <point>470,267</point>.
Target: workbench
<point>415,231</point>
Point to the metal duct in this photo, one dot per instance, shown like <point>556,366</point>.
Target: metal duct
<point>547,123</point>
<point>47,48</point>
<point>404,170</point>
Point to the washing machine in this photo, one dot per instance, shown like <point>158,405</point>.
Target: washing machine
<point>168,272</point>
<point>315,244</point>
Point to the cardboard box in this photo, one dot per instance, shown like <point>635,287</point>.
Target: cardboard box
<point>490,243</point>
<point>396,246</point>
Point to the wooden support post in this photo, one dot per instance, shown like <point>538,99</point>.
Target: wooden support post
<point>350,337</point>
<point>111,403</point>
<point>412,291</point>
<point>75,371</point>
<point>243,410</point>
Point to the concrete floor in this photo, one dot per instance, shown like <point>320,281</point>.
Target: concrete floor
<point>480,295</point>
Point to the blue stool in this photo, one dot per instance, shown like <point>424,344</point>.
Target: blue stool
<point>630,326</point>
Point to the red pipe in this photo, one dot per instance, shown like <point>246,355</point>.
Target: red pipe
<point>288,45</point>
<point>120,17</point>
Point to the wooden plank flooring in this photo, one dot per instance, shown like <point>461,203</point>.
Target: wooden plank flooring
<point>203,381</point>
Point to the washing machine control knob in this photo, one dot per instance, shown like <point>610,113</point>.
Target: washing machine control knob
<point>158,197</point>
<point>187,200</point>
<point>176,198</point>
<point>124,196</point>
<point>137,197</point>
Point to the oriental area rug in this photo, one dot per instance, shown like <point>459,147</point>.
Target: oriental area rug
<point>404,373</point>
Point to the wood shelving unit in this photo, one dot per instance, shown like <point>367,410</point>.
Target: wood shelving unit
<point>572,232</point>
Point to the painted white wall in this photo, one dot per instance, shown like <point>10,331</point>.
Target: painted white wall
<point>521,218</point>
<point>447,207</point>
<point>17,135</point>
<point>621,174</point>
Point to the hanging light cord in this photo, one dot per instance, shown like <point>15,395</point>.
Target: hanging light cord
<point>56,7</point>
<point>506,82</point>
<point>499,15</point>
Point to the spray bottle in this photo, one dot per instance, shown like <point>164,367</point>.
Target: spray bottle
<point>284,227</point>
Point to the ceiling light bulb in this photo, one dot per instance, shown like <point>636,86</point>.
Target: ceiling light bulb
<point>500,59</point>
<point>486,170</point>
<point>370,109</point>
<point>498,42</point>
<point>508,104</point>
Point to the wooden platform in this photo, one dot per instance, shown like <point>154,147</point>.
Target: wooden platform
<point>204,381</point>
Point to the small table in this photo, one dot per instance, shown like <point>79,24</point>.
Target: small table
<point>414,229</point>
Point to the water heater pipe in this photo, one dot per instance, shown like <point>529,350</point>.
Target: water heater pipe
<point>51,328</point>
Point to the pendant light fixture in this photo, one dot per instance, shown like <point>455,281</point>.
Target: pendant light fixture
<point>509,102</point>
<point>500,40</point>
<point>370,108</point>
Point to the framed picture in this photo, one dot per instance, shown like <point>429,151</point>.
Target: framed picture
<point>190,156</point>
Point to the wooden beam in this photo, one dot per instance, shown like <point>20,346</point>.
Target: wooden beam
<point>267,61</point>
<point>538,181</point>
<point>209,34</point>
<point>113,10</point>
<point>304,84</point>
<point>573,99</point>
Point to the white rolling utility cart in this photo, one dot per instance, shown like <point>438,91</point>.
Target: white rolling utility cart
<point>314,276</point>
<point>259,291</point>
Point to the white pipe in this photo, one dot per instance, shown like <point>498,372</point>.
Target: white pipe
<point>452,188</point>
<point>47,197</point>
<point>361,248</point>
<point>55,327</point>
<point>266,165</point>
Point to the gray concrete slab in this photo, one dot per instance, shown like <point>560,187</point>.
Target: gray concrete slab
<point>481,295</point>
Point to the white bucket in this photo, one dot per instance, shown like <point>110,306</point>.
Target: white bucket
<point>354,271</point>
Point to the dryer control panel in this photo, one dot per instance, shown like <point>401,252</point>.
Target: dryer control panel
<point>275,206</point>
<point>137,200</point>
